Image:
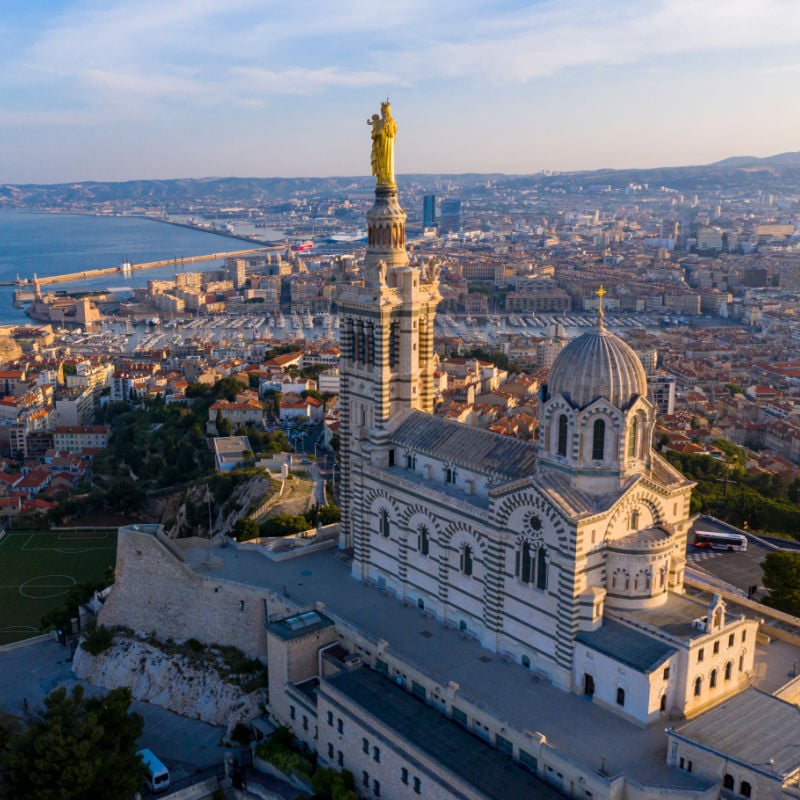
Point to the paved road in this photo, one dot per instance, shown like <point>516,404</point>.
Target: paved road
<point>30,672</point>
<point>742,570</point>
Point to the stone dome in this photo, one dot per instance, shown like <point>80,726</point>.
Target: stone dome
<point>598,364</point>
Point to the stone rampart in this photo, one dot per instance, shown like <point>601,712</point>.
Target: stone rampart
<point>154,591</point>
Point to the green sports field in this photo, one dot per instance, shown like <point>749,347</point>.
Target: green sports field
<point>37,569</point>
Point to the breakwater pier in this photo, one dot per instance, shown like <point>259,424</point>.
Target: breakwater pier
<point>70,277</point>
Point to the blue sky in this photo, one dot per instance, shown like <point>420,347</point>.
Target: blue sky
<point>191,88</point>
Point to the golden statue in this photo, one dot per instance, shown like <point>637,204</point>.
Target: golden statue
<point>384,131</point>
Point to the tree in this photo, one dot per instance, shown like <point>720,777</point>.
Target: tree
<point>245,529</point>
<point>782,578</point>
<point>223,425</point>
<point>77,748</point>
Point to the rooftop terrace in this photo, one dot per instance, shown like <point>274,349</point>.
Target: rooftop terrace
<point>509,692</point>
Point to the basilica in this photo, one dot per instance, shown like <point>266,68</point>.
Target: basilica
<point>565,555</point>
<point>498,618</point>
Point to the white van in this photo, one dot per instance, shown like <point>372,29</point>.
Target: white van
<point>157,773</point>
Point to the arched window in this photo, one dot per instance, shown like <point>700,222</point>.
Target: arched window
<point>663,705</point>
<point>620,696</point>
<point>384,522</point>
<point>541,568</point>
<point>712,679</point>
<point>526,662</point>
<point>423,540</point>
<point>562,435</point>
<point>599,440</point>
<point>466,560</point>
<point>634,520</point>
<point>744,789</point>
<point>727,781</point>
<point>698,686</point>
<point>524,563</point>
<point>633,434</point>
<point>728,670</point>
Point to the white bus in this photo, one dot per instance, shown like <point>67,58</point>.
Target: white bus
<point>157,773</point>
<point>714,540</point>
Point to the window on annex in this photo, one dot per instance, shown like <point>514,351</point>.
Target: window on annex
<point>423,540</point>
<point>525,565</point>
<point>383,522</point>
<point>620,696</point>
<point>466,559</point>
<point>541,568</point>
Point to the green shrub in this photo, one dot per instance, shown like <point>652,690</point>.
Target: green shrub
<point>98,639</point>
<point>287,761</point>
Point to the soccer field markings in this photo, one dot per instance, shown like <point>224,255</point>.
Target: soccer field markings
<point>83,536</point>
<point>27,547</point>
<point>62,584</point>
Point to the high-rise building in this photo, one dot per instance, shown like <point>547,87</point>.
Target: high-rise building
<point>450,216</point>
<point>237,271</point>
<point>428,210</point>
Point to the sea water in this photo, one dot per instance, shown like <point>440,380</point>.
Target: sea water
<point>53,244</point>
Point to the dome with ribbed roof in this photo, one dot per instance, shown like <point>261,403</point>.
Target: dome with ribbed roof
<point>598,364</point>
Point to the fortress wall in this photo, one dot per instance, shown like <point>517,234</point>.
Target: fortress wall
<point>154,591</point>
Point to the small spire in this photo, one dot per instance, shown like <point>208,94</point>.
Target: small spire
<point>600,293</point>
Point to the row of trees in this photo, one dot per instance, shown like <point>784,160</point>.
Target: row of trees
<point>286,524</point>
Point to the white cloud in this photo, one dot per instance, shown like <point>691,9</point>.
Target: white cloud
<point>204,49</point>
<point>304,81</point>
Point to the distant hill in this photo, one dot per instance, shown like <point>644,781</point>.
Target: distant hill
<point>780,160</point>
<point>775,174</point>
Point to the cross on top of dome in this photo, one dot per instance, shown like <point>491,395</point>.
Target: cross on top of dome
<point>601,292</point>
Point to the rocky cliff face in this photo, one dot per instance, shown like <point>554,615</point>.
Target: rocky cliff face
<point>187,513</point>
<point>184,685</point>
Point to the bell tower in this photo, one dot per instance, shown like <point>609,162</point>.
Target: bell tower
<point>386,322</point>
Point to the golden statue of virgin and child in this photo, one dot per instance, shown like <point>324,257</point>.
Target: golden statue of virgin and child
<point>384,131</point>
